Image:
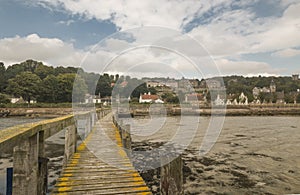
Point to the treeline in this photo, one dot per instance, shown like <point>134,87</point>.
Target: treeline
<point>33,80</point>
<point>238,84</point>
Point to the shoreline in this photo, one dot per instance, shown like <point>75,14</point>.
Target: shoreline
<point>170,110</point>
<point>263,110</point>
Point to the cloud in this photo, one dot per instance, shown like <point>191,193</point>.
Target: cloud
<point>51,50</point>
<point>241,32</point>
<point>67,22</point>
<point>228,67</point>
<point>287,53</point>
<point>222,30</point>
<point>225,32</point>
<point>134,13</point>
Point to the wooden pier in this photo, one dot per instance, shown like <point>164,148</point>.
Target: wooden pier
<point>101,166</point>
<point>85,171</point>
<point>98,165</point>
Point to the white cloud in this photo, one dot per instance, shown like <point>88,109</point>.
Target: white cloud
<point>240,32</point>
<point>226,34</point>
<point>228,67</point>
<point>135,13</point>
<point>67,22</point>
<point>51,50</point>
<point>287,53</point>
<point>229,32</point>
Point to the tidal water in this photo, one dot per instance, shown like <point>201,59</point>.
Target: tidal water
<point>252,155</point>
<point>12,121</point>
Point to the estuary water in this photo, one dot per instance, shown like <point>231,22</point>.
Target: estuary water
<point>252,155</point>
<point>12,121</point>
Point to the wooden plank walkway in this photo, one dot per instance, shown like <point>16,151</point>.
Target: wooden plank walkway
<point>101,166</point>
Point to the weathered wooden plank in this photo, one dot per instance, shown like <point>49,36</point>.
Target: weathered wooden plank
<point>86,173</point>
<point>171,175</point>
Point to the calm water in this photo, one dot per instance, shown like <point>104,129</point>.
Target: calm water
<point>10,121</point>
<point>254,155</point>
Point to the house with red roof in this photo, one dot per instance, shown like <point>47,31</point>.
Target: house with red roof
<point>148,98</point>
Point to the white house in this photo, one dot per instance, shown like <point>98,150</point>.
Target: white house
<point>148,98</point>
<point>219,101</point>
<point>92,99</point>
<point>243,99</point>
<point>16,100</point>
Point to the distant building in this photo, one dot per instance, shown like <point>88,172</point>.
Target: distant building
<point>15,100</point>
<point>220,101</point>
<point>194,83</point>
<point>195,98</point>
<point>243,99</point>
<point>295,77</point>
<point>280,97</point>
<point>148,98</point>
<point>257,90</point>
<point>213,84</point>
<point>92,99</point>
<point>172,84</point>
<point>20,100</point>
<point>153,84</point>
<point>272,86</point>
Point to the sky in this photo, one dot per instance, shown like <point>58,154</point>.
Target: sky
<point>191,38</point>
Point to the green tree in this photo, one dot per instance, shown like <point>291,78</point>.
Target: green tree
<point>79,89</point>
<point>104,86</point>
<point>49,89</point>
<point>25,84</point>
<point>43,71</point>
<point>152,90</point>
<point>65,87</point>
<point>141,89</point>
<point>298,98</point>
<point>289,98</point>
<point>4,99</point>
<point>170,98</point>
<point>2,77</point>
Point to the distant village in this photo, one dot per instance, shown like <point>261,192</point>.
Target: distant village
<point>193,91</point>
<point>33,82</point>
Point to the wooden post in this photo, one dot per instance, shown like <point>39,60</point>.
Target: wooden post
<point>126,138</point>
<point>70,143</point>
<point>86,128</point>
<point>171,176</point>
<point>90,123</point>
<point>25,176</point>
<point>81,127</point>
<point>42,166</point>
<point>120,127</point>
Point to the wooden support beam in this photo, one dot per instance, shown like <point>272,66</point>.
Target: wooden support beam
<point>42,166</point>
<point>126,137</point>
<point>70,143</point>
<point>171,176</point>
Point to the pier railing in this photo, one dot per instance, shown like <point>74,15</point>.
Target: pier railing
<point>27,142</point>
<point>171,170</point>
